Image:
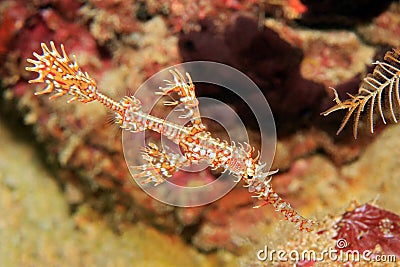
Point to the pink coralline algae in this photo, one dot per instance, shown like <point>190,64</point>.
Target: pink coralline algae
<point>20,22</point>
<point>370,228</point>
<point>50,25</point>
<point>184,15</point>
<point>12,21</point>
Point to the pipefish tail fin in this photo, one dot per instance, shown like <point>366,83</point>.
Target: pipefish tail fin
<point>63,76</point>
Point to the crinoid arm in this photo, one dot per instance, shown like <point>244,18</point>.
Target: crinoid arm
<point>186,92</point>
<point>378,91</point>
<point>160,165</point>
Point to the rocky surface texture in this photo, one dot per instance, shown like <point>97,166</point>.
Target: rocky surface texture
<point>374,179</point>
<point>88,208</point>
<point>37,228</point>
